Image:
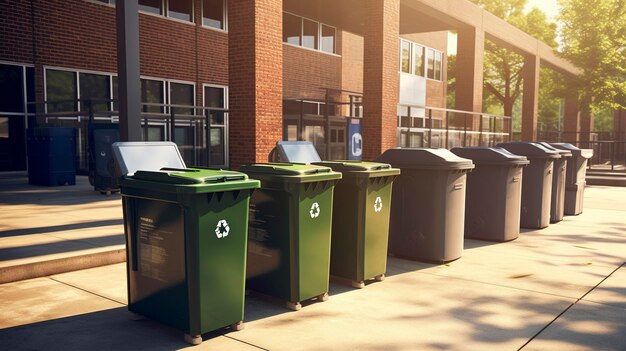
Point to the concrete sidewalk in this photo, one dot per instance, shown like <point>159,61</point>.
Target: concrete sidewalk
<point>560,288</point>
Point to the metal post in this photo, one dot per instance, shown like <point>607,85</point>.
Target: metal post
<point>430,130</point>
<point>327,129</point>
<point>465,130</point>
<point>208,137</point>
<point>129,87</point>
<point>480,131</point>
<point>145,128</point>
<point>172,130</point>
<point>301,121</point>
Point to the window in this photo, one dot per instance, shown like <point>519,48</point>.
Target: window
<point>61,90</point>
<point>151,6</point>
<point>431,64</point>
<point>94,87</point>
<point>405,56</point>
<point>217,97</point>
<point>418,60</point>
<point>182,94</point>
<point>328,39</point>
<point>292,28</point>
<point>308,33</point>
<point>180,9</point>
<point>214,97</point>
<point>112,2</point>
<point>438,65</point>
<point>12,88</point>
<point>152,93</point>
<point>214,14</point>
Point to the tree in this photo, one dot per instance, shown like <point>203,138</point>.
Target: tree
<point>593,34</point>
<point>503,68</point>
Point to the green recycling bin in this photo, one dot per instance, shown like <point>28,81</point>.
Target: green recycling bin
<point>362,203</point>
<point>186,236</point>
<point>289,231</point>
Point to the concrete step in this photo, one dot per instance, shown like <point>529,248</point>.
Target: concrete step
<point>606,178</point>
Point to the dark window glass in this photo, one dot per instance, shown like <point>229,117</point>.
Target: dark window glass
<point>30,88</point>
<point>213,13</point>
<point>12,88</point>
<point>180,9</point>
<point>292,28</point>
<point>151,6</point>
<point>310,32</point>
<point>155,133</point>
<point>418,60</point>
<point>94,87</point>
<point>115,96</point>
<point>431,63</point>
<point>291,107</point>
<point>214,97</point>
<point>328,39</point>
<point>310,108</point>
<point>217,146</point>
<point>438,65</point>
<point>61,87</point>
<point>152,93</point>
<point>182,94</point>
<point>405,56</point>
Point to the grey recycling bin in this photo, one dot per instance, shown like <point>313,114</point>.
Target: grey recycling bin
<point>494,193</point>
<point>575,177</point>
<point>428,204</point>
<point>557,201</point>
<point>536,183</point>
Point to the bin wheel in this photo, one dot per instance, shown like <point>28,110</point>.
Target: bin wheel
<point>193,339</point>
<point>380,277</point>
<point>237,326</point>
<point>323,297</point>
<point>358,285</point>
<point>294,306</point>
<point>136,316</point>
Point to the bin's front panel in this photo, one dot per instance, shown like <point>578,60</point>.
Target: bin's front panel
<point>377,210</point>
<point>156,266</point>
<point>536,194</point>
<point>268,266</point>
<point>347,235</point>
<point>574,195</point>
<point>312,238</point>
<point>217,247</point>
<point>426,221</point>
<point>558,190</point>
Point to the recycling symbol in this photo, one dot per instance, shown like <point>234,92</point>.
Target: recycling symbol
<point>315,210</point>
<point>222,229</point>
<point>378,204</point>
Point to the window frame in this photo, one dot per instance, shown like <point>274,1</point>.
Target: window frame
<point>167,11</point>
<point>319,35</point>
<point>224,15</point>
<point>226,124</point>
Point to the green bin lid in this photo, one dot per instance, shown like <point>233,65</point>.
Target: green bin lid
<point>529,149</point>
<point>422,158</point>
<point>189,180</point>
<point>353,166</point>
<point>481,155</point>
<point>290,172</point>
<point>583,153</point>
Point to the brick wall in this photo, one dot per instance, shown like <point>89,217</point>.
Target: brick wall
<point>352,62</point>
<point>306,72</point>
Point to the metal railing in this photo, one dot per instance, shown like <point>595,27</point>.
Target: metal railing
<point>423,126</point>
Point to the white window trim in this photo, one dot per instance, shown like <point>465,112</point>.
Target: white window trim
<point>425,60</point>
<point>226,121</point>
<point>224,13</point>
<point>319,35</point>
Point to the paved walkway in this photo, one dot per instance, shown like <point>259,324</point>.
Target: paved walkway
<point>560,288</point>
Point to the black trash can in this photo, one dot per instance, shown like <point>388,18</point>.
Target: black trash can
<point>575,177</point>
<point>494,193</point>
<point>536,183</point>
<point>428,204</point>
<point>557,202</point>
<point>51,156</point>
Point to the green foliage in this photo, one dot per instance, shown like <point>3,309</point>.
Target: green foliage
<point>593,37</point>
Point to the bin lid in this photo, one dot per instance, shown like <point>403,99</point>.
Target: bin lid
<point>529,149</point>
<point>584,153</point>
<point>297,151</point>
<point>290,172</point>
<point>358,166</point>
<point>189,180</point>
<point>422,158</point>
<point>562,152</point>
<point>490,156</point>
<point>132,156</point>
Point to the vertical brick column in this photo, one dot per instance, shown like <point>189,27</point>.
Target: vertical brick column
<point>530,100</point>
<point>380,76</point>
<point>586,127</point>
<point>469,69</point>
<point>571,117</point>
<point>619,124</point>
<point>255,75</point>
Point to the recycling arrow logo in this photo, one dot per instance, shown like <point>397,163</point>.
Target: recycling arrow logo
<point>378,204</point>
<point>222,229</point>
<point>315,210</point>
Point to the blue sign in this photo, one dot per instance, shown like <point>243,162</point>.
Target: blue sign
<point>355,139</point>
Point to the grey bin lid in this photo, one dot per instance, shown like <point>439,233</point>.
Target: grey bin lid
<point>297,152</point>
<point>563,153</point>
<point>284,169</point>
<point>132,156</point>
<point>354,166</point>
<point>529,149</point>
<point>421,158</point>
<point>584,153</point>
<point>490,156</point>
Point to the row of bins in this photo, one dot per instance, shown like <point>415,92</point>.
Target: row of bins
<point>186,227</point>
